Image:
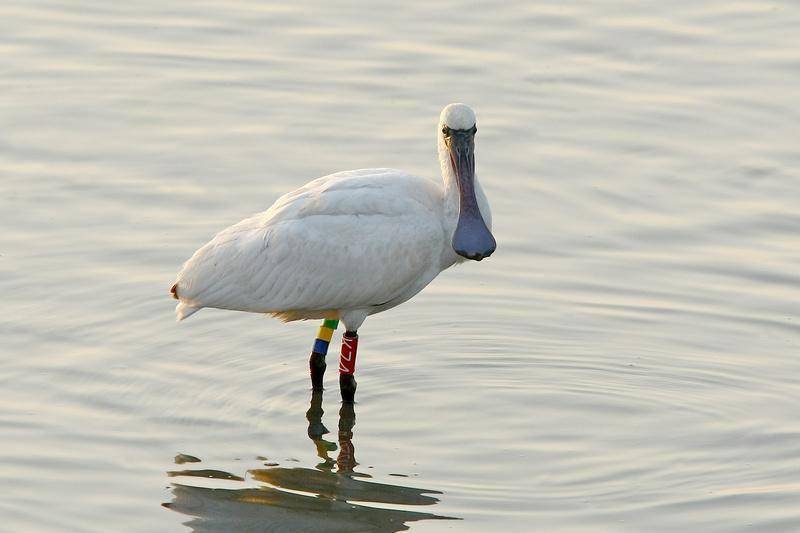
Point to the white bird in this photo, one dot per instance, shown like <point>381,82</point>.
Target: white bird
<point>347,245</point>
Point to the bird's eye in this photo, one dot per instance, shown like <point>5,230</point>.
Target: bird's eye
<point>474,130</point>
<point>446,131</point>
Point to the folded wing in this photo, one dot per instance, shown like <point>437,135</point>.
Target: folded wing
<point>347,241</point>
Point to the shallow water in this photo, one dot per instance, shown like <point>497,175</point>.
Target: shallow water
<point>626,361</point>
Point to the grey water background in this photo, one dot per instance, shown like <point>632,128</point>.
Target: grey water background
<point>626,361</point>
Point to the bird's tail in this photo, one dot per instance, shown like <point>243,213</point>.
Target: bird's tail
<point>184,310</point>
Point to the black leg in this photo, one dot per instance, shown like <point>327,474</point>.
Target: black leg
<point>347,384</point>
<point>317,366</point>
<point>317,361</point>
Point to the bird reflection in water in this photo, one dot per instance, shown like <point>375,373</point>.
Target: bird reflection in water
<point>324,498</point>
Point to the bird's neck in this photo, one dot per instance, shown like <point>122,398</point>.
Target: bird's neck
<point>451,194</point>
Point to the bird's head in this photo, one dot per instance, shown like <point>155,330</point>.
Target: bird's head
<point>457,127</point>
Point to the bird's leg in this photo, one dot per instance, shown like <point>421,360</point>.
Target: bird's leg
<point>347,366</point>
<point>317,361</point>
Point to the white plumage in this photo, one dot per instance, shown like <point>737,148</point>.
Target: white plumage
<point>343,246</point>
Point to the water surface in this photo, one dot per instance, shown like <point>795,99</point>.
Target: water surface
<point>627,360</point>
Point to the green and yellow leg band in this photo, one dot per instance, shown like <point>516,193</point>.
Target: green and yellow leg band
<point>324,336</point>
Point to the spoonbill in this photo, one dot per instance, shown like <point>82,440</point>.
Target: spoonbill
<point>346,246</point>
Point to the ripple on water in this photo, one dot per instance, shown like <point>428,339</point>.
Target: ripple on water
<point>626,360</point>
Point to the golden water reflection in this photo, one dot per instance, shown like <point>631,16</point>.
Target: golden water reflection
<point>323,498</point>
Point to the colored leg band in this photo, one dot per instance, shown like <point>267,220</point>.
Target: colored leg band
<point>347,361</point>
<point>324,336</point>
<point>321,346</point>
<point>325,333</point>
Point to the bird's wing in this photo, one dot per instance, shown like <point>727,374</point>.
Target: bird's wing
<point>345,241</point>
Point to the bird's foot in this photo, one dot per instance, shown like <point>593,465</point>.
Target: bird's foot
<point>347,386</point>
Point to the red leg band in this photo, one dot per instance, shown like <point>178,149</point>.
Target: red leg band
<point>347,361</point>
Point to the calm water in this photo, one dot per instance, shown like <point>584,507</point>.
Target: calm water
<point>627,360</point>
